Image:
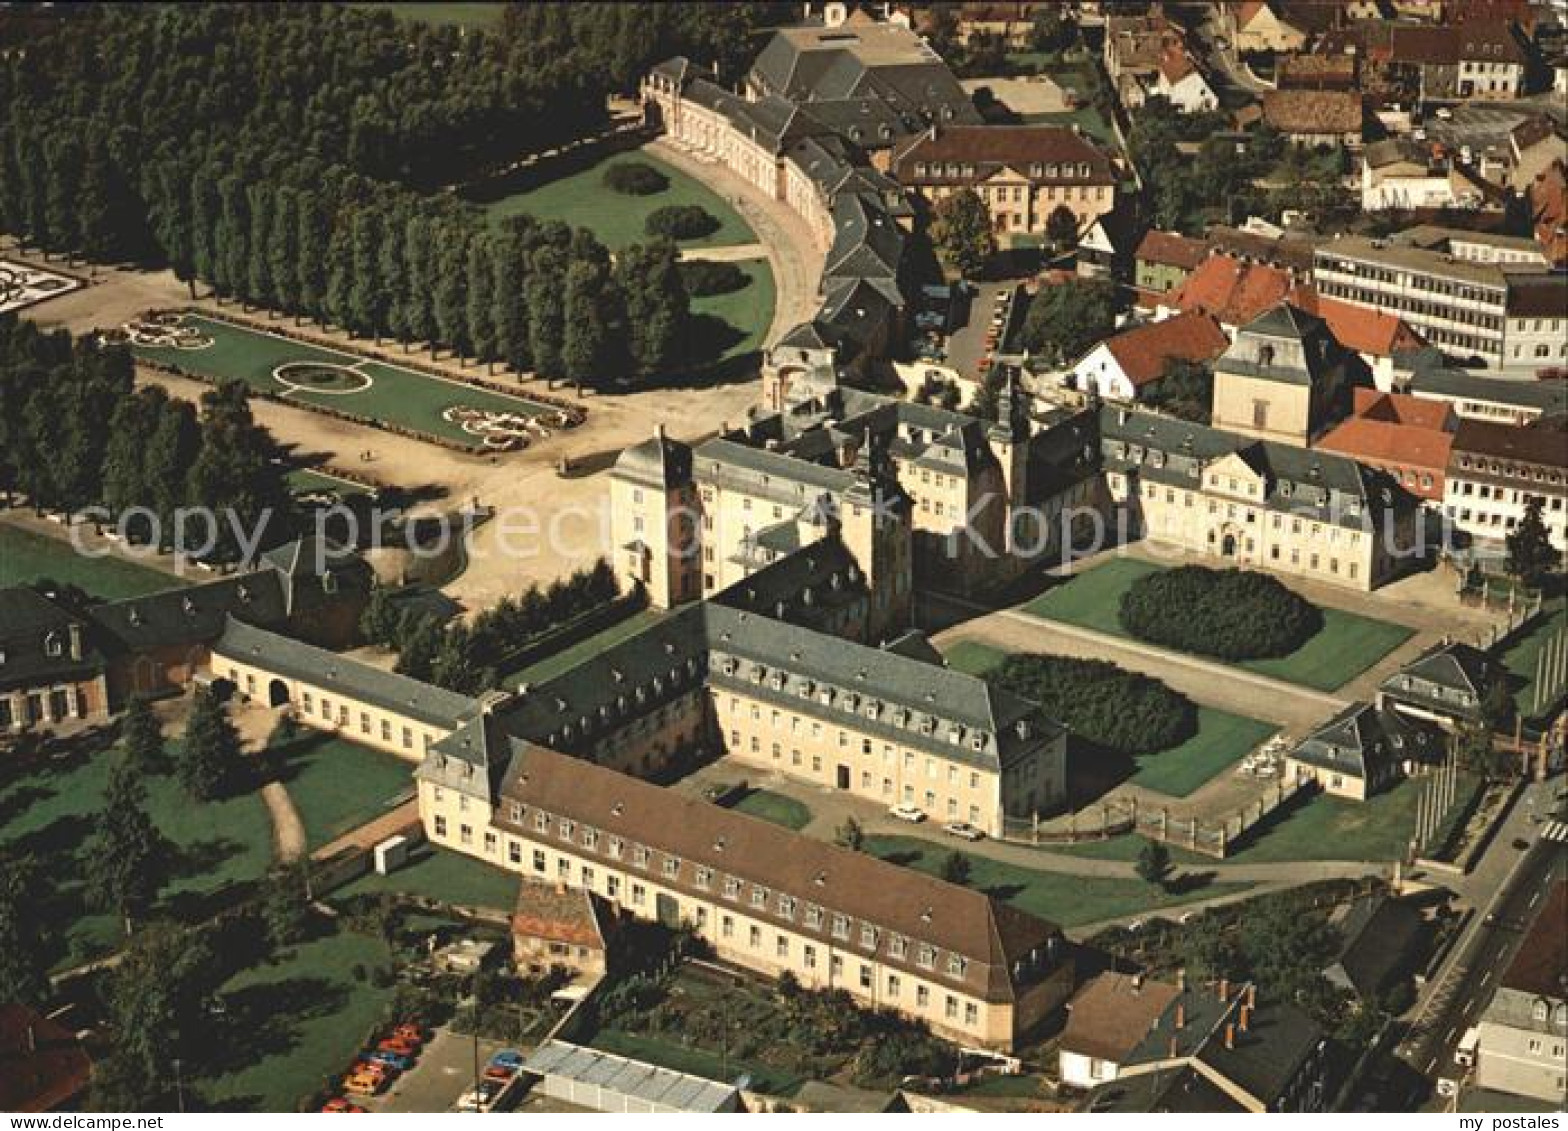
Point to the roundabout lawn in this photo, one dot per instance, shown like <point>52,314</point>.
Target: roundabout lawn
<point>582,200</point>
<point>349,383</point>
<point>1347,644</point>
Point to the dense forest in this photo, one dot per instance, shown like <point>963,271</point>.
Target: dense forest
<point>295,157</point>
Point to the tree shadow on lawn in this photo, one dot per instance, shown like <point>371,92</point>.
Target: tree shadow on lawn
<point>264,1020</point>
<point>547,170</point>
<point>1185,883</point>
<point>15,802</point>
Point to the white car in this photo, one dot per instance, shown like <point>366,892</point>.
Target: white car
<point>963,830</point>
<point>907,812</point>
<point>1444,114</point>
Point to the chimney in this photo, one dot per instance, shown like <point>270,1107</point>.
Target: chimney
<point>1181,979</point>
<point>1230,1036</point>
<point>1224,989</point>
<point>1246,1017</point>
<point>1137,982</point>
<point>76,640</point>
<point>1181,1015</point>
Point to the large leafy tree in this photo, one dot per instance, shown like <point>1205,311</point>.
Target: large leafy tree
<point>961,230</point>
<point>127,859</point>
<point>24,943</point>
<point>1066,319</point>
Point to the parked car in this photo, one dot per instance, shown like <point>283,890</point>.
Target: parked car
<point>394,1060</point>
<point>963,830</point>
<point>509,1057</point>
<point>364,1083</point>
<point>1444,114</point>
<point>500,1073</point>
<point>904,811</point>
<point>480,1099</point>
<point>337,1105</point>
<point>408,1031</point>
<point>400,1045</point>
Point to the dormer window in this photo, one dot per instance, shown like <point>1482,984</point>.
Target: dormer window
<point>868,936</point>
<point>759,897</point>
<point>52,645</point>
<point>672,866</point>
<point>701,876</point>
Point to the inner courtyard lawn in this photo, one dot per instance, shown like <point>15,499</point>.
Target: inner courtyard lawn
<point>297,1021</point>
<point>395,395</point>
<point>1222,740</point>
<point>775,807</point>
<point>1347,644</point>
<point>26,558</point>
<point>337,785</point>
<point>571,656</point>
<point>49,812</point>
<point>447,876</point>
<point>583,200</point>
<point>734,324</point>
<point>1332,828</point>
<point>1067,900</point>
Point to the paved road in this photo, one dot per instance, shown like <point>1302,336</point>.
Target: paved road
<point>1461,990</point>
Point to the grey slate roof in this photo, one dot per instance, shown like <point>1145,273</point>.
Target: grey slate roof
<point>395,693</point>
<point>29,623</point>
<point>1363,741</point>
<point>1450,678</point>
<point>655,462</point>
<point>1269,1054</point>
<point>196,614</point>
<point>1284,344</point>
<point>1377,939</point>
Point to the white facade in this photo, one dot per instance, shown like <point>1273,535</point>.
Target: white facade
<point>1099,370</point>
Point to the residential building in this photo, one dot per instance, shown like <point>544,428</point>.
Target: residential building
<point>49,670</point>
<point>43,1066</point>
<point>1023,173</point>
<point>1399,434</point>
<point>1472,296</point>
<point>556,927</point>
<point>1283,378</point>
<point>1316,117</point>
<point>1363,750</point>
<point>1107,249</point>
<point>1147,55</point>
<point>1123,366</point>
<point>1379,340</point>
<point>1380,945</point>
<point>1523,1035</point>
<point>1548,198</point>
<point>1405,175</point>
<point>973,968</point>
<point>1215,1049</point>
<point>1165,259</point>
<point>1495,399</point>
<point>1534,146</point>
<point>1257,25</point>
<point>1316,72</point>
<point>1235,292</point>
<point>1495,469</point>
<point>1258,241</point>
<point>1486,61</point>
<point>1107,1019</point>
<point>1011,21</point>
<point>1254,503</point>
<point>1447,685</point>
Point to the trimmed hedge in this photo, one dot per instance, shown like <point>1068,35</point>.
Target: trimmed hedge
<point>635,178</point>
<point>1123,711</point>
<point>707,277</point>
<point>681,222</point>
<point>1231,614</point>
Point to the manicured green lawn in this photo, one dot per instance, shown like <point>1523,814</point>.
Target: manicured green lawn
<point>1223,739</point>
<point>1331,828</point>
<point>1066,900</point>
<point>734,324</point>
<point>774,807</point>
<point>1347,645</point>
<point>395,395</point>
<point>447,876</point>
<point>337,786</point>
<point>582,200</point>
<point>303,481</point>
<point>303,1018</point>
<point>1522,656</point>
<point>1126,848</point>
<point>26,557</point>
<point>568,658</point>
<point>50,813</point>
<point>482,16</point>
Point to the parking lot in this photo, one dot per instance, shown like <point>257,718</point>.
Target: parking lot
<point>979,336</point>
<point>444,1071</point>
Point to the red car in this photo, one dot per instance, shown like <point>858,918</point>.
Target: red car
<point>337,1105</point>
<point>411,1033</point>
<point>400,1045</point>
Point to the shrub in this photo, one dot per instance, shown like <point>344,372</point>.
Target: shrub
<point>1233,614</point>
<point>681,222</point>
<point>705,277</point>
<point>1122,711</point>
<point>635,178</point>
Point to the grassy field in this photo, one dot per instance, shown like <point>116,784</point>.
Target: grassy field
<point>582,200</point>
<point>1066,900</point>
<point>1331,828</point>
<point>1522,656</point>
<point>337,786</point>
<point>1346,646</point>
<point>395,395</point>
<point>1223,739</point>
<point>447,876</point>
<point>1126,849</point>
<point>304,1017</point>
<point>568,658</point>
<point>734,324</point>
<point>50,812</point>
<point>26,557</point>
<point>303,481</point>
<point>774,807</point>
<point>480,16</point>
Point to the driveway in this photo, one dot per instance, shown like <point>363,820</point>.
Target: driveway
<point>444,1072</point>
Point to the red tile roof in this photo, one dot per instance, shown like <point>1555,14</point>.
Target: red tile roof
<point>1541,964</point>
<point>1387,445</point>
<point>42,1064</point>
<point>559,914</point>
<point>1357,328</point>
<point>1171,249</point>
<point>1549,209</point>
<point>1022,148</point>
<point>1112,1014</point>
<point>1402,408</point>
<point>1143,351</point>
<point>1232,291</point>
